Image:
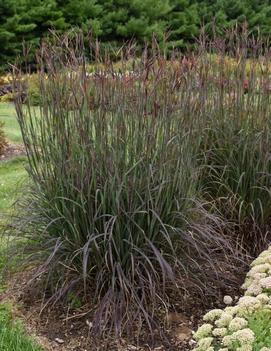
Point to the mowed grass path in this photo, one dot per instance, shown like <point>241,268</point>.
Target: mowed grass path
<point>12,172</point>
<point>11,126</point>
<point>12,335</point>
<point>12,178</point>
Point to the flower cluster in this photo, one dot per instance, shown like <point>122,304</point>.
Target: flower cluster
<point>259,277</point>
<point>227,329</point>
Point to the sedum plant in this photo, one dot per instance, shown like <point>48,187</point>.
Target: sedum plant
<point>246,326</point>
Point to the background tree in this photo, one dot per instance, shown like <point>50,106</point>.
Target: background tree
<point>116,21</point>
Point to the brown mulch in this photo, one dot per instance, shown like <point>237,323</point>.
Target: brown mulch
<point>59,329</point>
<point>12,150</point>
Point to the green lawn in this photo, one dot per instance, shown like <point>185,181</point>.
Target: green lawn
<point>12,173</point>
<point>12,178</point>
<point>11,126</point>
<point>12,336</point>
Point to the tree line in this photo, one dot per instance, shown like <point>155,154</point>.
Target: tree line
<point>116,21</point>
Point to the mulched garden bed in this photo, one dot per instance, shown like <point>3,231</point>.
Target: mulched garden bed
<point>12,150</point>
<point>64,329</point>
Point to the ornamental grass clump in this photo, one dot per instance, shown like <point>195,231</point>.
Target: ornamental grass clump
<point>113,213</point>
<point>136,168</point>
<point>234,150</point>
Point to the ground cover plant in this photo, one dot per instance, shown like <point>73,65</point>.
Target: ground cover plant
<point>144,181</point>
<point>245,326</point>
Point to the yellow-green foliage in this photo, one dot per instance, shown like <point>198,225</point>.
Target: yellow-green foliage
<point>5,79</point>
<point>118,66</point>
<point>7,97</point>
<point>231,64</point>
<point>2,81</point>
<point>33,90</point>
<point>31,86</point>
<point>246,326</point>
